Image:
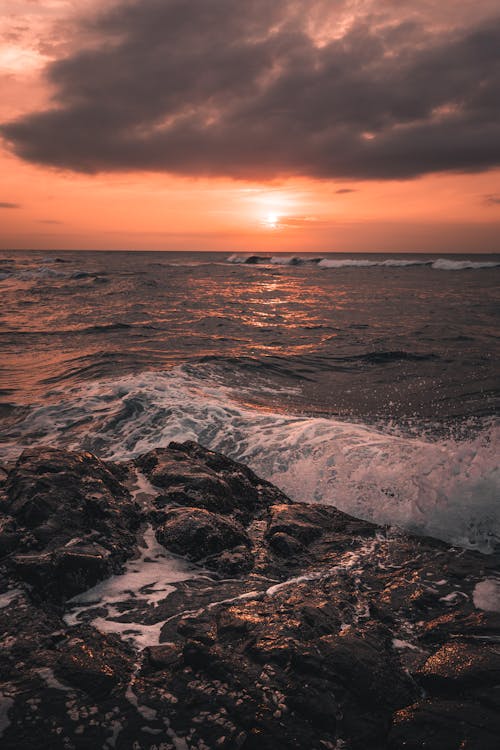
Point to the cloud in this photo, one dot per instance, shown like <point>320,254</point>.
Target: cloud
<point>259,90</point>
<point>6,204</point>
<point>344,191</point>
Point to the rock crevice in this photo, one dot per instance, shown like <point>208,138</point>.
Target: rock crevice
<point>214,612</point>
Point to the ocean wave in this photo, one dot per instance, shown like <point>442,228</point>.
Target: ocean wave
<point>441,264</point>
<point>364,263</point>
<point>248,259</point>
<point>44,272</point>
<point>444,488</point>
<point>294,260</point>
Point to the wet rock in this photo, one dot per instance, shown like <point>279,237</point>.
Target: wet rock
<point>93,663</point>
<point>284,544</point>
<point>193,476</point>
<point>366,665</point>
<point>295,522</point>
<point>300,627</point>
<point>458,666</point>
<point>163,656</point>
<point>453,624</point>
<point>4,475</point>
<point>73,520</point>
<point>198,533</point>
<point>9,535</point>
<point>66,571</point>
<point>234,562</point>
<point>445,725</point>
<point>68,489</point>
<point>197,628</point>
<point>234,621</point>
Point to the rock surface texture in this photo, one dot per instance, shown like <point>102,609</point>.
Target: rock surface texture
<point>180,602</point>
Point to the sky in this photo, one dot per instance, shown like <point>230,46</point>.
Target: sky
<point>250,125</point>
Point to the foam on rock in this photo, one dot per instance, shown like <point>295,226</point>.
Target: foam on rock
<point>280,626</point>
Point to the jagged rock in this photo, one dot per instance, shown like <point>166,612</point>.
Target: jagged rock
<point>73,520</point>
<point>198,533</point>
<point>316,630</point>
<point>93,663</point>
<point>457,666</point>
<point>193,476</point>
<point>163,656</point>
<point>233,562</point>
<point>284,544</point>
<point>445,725</point>
<point>67,490</point>
<point>295,522</point>
<point>65,571</point>
<point>9,535</point>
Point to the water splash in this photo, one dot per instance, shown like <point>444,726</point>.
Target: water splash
<point>446,488</point>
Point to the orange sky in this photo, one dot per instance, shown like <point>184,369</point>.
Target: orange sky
<point>48,208</point>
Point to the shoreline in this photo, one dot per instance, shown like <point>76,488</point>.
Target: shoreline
<point>246,619</point>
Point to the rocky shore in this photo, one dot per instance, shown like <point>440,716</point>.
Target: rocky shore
<point>180,602</point>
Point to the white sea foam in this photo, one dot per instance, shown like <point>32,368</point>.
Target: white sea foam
<point>441,264</point>
<point>51,681</point>
<point>290,260</point>
<point>347,263</point>
<point>237,258</point>
<point>145,582</point>
<point>486,595</point>
<point>447,488</point>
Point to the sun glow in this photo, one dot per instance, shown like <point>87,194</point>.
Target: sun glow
<point>272,221</point>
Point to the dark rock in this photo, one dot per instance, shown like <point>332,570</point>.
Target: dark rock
<point>235,562</point>
<point>10,535</point>
<point>301,628</point>
<point>73,520</point>
<point>198,533</point>
<point>285,545</point>
<point>163,656</point>
<point>197,629</point>
<point>196,477</point>
<point>445,725</point>
<point>457,666</point>
<point>70,489</point>
<point>453,624</point>
<point>66,571</point>
<point>295,522</point>
<point>93,663</point>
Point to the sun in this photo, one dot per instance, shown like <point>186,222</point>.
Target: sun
<point>270,208</point>
<point>271,220</point>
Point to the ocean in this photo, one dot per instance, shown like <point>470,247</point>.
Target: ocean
<point>368,382</point>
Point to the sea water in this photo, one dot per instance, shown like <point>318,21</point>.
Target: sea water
<point>366,382</point>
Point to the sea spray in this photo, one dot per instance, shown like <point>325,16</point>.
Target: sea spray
<point>447,488</point>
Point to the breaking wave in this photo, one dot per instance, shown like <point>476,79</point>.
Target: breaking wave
<point>441,264</point>
<point>443,488</point>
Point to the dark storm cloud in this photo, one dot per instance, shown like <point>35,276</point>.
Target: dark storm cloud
<point>6,204</point>
<point>245,89</point>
